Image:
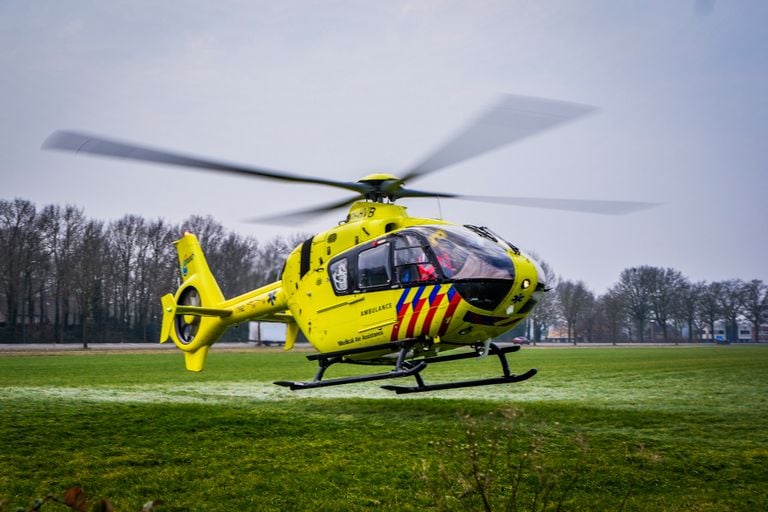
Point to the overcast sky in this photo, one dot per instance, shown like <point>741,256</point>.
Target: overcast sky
<point>342,89</point>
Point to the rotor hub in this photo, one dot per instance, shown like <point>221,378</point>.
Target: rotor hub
<point>381,186</point>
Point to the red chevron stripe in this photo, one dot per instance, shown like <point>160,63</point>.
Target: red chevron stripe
<point>449,313</point>
<point>401,310</point>
<point>431,313</point>
<point>415,317</point>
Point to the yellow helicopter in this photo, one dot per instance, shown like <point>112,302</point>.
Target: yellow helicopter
<point>381,287</point>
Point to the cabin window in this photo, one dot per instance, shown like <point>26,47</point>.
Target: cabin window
<point>412,265</point>
<point>339,275</point>
<point>463,254</point>
<point>373,267</point>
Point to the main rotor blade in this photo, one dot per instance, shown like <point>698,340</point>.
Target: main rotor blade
<point>511,119</point>
<point>83,143</point>
<point>603,207</point>
<point>286,219</point>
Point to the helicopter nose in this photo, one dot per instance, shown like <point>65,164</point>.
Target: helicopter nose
<point>484,294</point>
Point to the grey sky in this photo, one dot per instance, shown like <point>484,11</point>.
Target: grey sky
<point>343,89</point>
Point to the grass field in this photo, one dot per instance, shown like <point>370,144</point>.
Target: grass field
<point>597,429</point>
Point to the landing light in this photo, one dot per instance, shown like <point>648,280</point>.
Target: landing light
<point>525,284</point>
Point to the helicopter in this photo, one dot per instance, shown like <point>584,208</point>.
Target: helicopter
<point>381,288</point>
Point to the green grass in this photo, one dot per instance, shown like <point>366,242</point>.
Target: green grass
<point>598,429</point>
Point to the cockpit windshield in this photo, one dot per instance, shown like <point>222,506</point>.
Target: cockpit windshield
<point>478,267</point>
<point>464,254</point>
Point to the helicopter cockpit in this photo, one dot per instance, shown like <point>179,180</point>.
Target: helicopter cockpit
<point>478,265</point>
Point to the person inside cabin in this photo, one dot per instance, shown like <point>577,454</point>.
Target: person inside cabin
<point>412,262</point>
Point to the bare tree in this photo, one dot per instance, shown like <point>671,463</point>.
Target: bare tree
<point>123,236</point>
<point>272,256</point>
<point>90,270</point>
<point>614,311</point>
<point>18,244</point>
<point>154,274</point>
<point>635,286</point>
<point>236,271</point>
<point>731,302</point>
<point>710,310</point>
<point>61,230</point>
<point>574,300</point>
<point>689,305</point>
<point>209,233</point>
<point>545,312</point>
<point>755,296</point>
<point>591,318</point>
<point>664,284</point>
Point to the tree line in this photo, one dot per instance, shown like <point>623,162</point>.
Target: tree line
<point>65,277</point>
<point>652,304</point>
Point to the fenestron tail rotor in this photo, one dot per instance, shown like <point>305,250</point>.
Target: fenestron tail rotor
<point>188,325</point>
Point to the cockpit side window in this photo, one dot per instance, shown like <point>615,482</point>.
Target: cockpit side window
<point>463,254</point>
<point>450,255</point>
<point>373,267</point>
<point>412,264</point>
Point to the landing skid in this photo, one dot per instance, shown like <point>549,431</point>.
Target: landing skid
<point>480,351</point>
<point>406,368</point>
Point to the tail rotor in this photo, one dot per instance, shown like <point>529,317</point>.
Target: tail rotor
<point>187,326</point>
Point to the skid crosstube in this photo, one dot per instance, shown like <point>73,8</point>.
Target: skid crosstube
<point>407,368</point>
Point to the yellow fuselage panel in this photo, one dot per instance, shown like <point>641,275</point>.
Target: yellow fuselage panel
<point>437,311</point>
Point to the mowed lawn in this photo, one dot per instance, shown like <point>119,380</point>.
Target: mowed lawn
<point>677,428</point>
